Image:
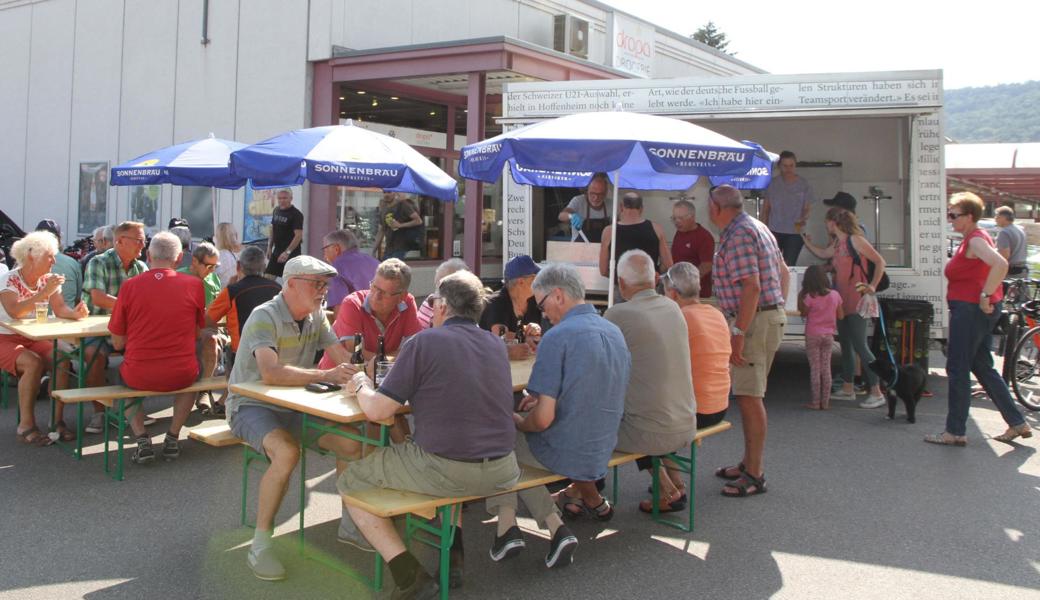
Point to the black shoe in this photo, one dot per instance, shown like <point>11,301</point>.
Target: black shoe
<point>508,545</point>
<point>171,448</point>
<point>561,551</point>
<point>144,452</point>
<point>423,588</point>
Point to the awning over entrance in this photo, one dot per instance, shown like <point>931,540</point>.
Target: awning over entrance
<point>464,76</point>
<point>997,172</point>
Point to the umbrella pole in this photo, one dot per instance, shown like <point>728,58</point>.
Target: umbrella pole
<point>613,241</point>
<point>213,198</point>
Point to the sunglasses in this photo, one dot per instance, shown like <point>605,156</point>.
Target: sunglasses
<point>953,216</point>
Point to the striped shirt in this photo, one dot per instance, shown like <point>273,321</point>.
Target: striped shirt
<point>746,248</point>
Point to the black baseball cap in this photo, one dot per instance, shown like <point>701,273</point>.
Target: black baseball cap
<point>177,222</point>
<point>49,225</point>
<point>842,200</point>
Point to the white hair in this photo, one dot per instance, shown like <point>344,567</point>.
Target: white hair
<point>560,275</point>
<point>35,244</point>
<point>165,246</point>
<point>636,268</point>
<point>685,279</point>
<point>452,265</point>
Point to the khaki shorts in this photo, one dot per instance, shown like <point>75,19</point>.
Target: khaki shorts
<point>760,344</point>
<point>408,467</point>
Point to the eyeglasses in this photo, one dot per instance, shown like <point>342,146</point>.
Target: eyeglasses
<point>676,219</point>
<point>380,291</point>
<point>210,266</point>
<point>319,284</point>
<point>541,303</point>
<point>136,240</point>
<point>323,248</point>
<point>953,216</point>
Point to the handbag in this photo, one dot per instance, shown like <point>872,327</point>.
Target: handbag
<point>869,271</point>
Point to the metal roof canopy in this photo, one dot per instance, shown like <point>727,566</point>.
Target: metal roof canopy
<point>1006,169</point>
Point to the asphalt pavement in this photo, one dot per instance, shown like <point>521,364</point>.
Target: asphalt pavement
<point>857,507</point>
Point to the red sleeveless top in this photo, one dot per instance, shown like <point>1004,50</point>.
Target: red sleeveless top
<point>967,275</point>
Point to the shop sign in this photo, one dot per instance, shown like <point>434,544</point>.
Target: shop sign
<point>632,46</point>
<point>410,136</point>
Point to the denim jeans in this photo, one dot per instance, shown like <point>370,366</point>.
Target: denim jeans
<point>852,335</point>
<point>968,351</point>
<point>790,246</point>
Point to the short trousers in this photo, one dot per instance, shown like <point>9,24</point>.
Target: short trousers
<point>638,441</point>
<point>761,342</point>
<point>406,466</point>
<point>252,423</point>
<point>12,346</point>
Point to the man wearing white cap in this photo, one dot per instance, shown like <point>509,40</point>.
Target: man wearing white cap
<point>279,341</point>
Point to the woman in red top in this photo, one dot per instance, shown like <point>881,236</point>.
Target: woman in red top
<point>975,274</point>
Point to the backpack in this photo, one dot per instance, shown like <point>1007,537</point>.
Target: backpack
<point>869,272</point>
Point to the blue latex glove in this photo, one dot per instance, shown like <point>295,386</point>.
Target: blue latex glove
<point>576,221</point>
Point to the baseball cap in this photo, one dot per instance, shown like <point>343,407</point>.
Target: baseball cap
<point>49,225</point>
<point>842,200</point>
<point>177,222</point>
<point>520,266</point>
<point>307,265</point>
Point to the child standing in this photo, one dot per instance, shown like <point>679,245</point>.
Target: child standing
<point>821,307</point>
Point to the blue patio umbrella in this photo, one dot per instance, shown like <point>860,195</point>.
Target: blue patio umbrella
<point>644,152</point>
<point>203,163</point>
<point>757,177</point>
<point>198,162</point>
<point>346,155</point>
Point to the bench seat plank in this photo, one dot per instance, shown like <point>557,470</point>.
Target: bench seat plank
<point>216,434</point>
<point>108,393</point>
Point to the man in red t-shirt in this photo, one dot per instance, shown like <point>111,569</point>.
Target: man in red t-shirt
<point>156,320</point>
<point>386,309</point>
<point>692,243</point>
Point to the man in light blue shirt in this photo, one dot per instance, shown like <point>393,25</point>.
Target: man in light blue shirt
<point>576,398</point>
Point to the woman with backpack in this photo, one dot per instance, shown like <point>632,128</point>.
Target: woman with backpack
<point>852,260</point>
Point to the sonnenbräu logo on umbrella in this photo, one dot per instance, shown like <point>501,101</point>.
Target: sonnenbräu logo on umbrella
<point>370,175</point>
<point>680,159</point>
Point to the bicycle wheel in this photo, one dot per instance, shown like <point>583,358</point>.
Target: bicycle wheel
<point>1026,382</point>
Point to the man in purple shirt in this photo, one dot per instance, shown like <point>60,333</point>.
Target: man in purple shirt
<point>355,269</point>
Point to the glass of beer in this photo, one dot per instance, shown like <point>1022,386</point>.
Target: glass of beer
<point>41,312</point>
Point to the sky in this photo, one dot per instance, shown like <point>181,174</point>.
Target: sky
<point>975,44</point>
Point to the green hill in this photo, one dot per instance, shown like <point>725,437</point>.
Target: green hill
<point>1000,113</point>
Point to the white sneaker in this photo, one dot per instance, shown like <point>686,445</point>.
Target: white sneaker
<point>843,395</point>
<point>96,424</point>
<point>266,565</point>
<point>873,402</point>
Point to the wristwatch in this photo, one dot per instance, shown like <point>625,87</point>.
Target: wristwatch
<point>734,330</point>
<point>984,295</point>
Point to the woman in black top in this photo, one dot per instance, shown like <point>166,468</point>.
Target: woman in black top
<point>513,308</point>
<point>635,232</point>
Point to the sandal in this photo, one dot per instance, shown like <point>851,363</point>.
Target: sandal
<point>576,507</point>
<point>64,433</point>
<point>746,485</point>
<point>33,437</point>
<point>676,503</point>
<point>724,472</point>
<point>946,439</point>
<point>1022,431</point>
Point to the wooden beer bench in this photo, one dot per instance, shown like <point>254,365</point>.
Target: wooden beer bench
<point>114,398</point>
<point>390,503</point>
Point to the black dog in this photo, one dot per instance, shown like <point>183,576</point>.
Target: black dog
<point>908,386</point>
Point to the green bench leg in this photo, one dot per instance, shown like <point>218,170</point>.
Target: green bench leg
<point>687,466</point>
<point>443,538</point>
<point>118,417</point>
<point>3,390</point>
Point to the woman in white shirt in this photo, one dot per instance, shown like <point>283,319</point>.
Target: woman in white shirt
<point>229,246</point>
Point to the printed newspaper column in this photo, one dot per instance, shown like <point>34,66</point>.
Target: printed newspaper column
<point>928,183</point>
<point>516,200</point>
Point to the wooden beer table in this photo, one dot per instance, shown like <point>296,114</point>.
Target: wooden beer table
<point>55,330</point>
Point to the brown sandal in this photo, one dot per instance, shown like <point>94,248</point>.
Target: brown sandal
<point>34,437</point>
<point>1021,431</point>
<point>64,433</point>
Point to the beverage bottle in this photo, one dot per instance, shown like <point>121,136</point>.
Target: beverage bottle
<point>381,366</point>
<point>520,331</point>
<point>358,357</point>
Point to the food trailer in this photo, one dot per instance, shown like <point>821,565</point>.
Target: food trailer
<point>876,135</point>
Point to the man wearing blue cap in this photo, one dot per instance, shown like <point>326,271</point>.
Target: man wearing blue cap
<point>513,307</point>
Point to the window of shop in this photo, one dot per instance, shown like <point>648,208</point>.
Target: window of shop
<point>197,209</point>
<point>372,214</point>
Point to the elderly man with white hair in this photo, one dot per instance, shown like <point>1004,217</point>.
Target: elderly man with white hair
<point>30,282</point>
<point>659,403</point>
<point>155,321</point>
<point>570,415</point>
<point>355,268</point>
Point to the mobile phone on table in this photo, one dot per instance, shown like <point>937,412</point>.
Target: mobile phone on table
<point>321,387</point>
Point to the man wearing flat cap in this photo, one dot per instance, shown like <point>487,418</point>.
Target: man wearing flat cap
<point>279,341</point>
<point>513,307</point>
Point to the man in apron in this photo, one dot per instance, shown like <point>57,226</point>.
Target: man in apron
<point>590,212</point>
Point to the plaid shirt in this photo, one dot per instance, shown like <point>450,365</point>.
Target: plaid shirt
<point>746,248</point>
<point>105,272</point>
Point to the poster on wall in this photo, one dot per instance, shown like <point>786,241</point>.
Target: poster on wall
<point>259,204</point>
<point>144,206</point>
<point>93,196</point>
<point>197,209</point>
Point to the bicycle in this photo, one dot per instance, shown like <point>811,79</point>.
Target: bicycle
<point>1015,319</point>
<point>1025,382</point>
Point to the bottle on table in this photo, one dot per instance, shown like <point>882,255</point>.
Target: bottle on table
<point>520,337</point>
<point>382,364</point>
<point>358,358</point>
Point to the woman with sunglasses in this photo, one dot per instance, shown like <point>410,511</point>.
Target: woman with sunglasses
<point>975,273</point>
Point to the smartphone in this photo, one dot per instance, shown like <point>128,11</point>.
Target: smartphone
<point>321,387</point>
